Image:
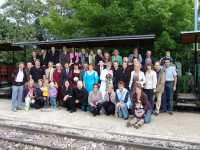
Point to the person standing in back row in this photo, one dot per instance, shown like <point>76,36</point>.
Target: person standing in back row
<point>170,86</point>
<point>116,57</point>
<point>150,84</point>
<point>159,87</point>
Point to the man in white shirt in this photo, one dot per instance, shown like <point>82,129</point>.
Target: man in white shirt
<point>19,79</point>
<point>170,86</point>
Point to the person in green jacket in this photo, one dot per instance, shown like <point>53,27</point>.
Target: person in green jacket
<point>117,57</point>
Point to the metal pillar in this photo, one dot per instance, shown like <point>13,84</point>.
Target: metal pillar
<point>196,15</point>
<point>196,19</point>
<point>195,62</point>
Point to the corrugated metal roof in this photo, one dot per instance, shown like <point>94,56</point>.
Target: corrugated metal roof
<point>10,47</point>
<point>132,40</point>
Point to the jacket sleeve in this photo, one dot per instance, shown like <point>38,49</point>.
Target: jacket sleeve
<point>113,97</point>
<point>126,97</point>
<point>160,82</point>
<point>96,77</point>
<point>154,80</point>
<point>131,80</point>
<point>90,99</point>
<point>102,76</point>
<point>117,98</point>
<point>120,60</point>
<point>143,79</point>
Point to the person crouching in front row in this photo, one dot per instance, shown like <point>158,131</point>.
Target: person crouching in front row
<point>80,95</point>
<point>109,101</point>
<point>141,108</point>
<point>123,102</point>
<point>95,100</point>
<point>68,99</point>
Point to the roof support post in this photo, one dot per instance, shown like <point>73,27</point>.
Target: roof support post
<point>195,63</point>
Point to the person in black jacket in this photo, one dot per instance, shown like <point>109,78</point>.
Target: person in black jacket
<point>80,95</point>
<point>65,74</point>
<point>44,59</point>
<point>68,99</point>
<point>37,72</point>
<point>64,56</point>
<point>98,57</point>
<point>34,57</point>
<point>116,74</point>
<point>53,55</point>
<point>19,79</point>
<point>125,74</point>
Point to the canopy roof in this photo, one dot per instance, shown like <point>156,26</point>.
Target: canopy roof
<point>190,37</point>
<point>10,47</point>
<point>112,41</point>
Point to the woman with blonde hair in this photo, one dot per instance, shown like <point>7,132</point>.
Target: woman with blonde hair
<point>137,76</point>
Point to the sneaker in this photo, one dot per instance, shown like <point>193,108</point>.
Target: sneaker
<point>72,111</point>
<point>156,113</point>
<point>170,113</point>
<point>14,110</point>
<point>20,108</point>
<point>53,109</point>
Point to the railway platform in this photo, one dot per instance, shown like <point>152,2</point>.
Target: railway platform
<point>180,128</point>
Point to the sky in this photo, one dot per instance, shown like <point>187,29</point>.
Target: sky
<point>2,1</point>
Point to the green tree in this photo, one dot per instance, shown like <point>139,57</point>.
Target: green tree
<point>88,18</point>
<point>23,14</point>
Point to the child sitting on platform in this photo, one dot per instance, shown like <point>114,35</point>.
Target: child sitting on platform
<point>29,95</point>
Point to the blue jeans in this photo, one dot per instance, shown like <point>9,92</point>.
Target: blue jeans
<point>123,112</point>
<point>17,96</point>
<point>53,102</point>
<point>167,104</point>
<point>147,116</point>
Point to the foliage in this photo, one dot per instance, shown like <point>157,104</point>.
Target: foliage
<point>23,14</point>
<point>24,20</point>
<point>89,18</point>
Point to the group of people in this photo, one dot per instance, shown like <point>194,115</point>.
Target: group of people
<point>96,82</point>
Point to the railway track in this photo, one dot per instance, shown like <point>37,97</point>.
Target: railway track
<point>59,141</point>
<point>45,136</point>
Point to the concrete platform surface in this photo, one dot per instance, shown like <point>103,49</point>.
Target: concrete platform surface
<point>180,126</point>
